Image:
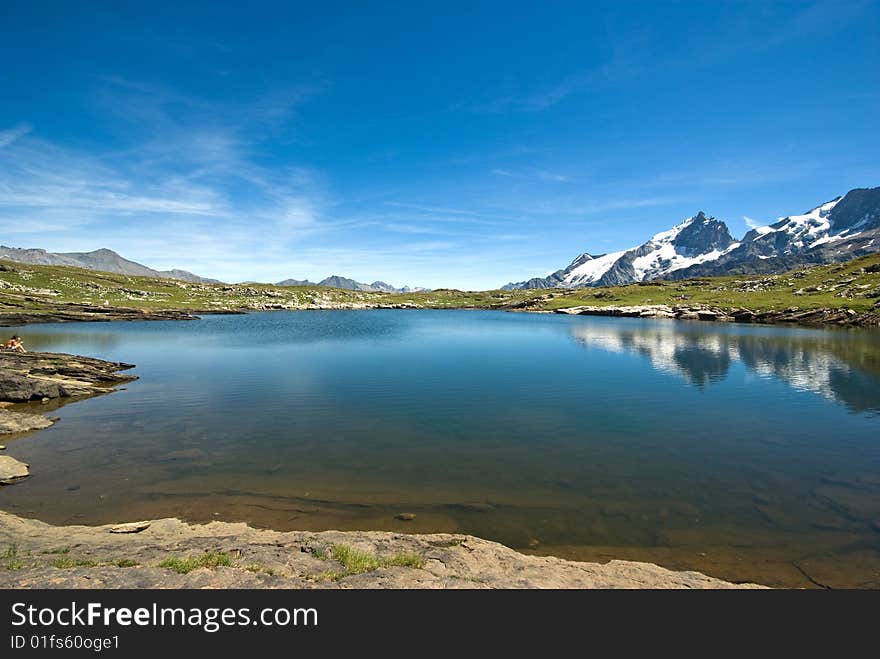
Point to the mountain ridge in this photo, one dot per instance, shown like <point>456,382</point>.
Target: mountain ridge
<point>102,260</point>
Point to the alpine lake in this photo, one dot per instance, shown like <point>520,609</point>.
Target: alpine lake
<point>750,453</point>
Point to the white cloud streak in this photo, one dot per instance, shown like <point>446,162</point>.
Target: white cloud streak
<point>10,135</point>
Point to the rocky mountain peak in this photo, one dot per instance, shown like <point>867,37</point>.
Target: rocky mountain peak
<point>857,207</point>
<point>703,234</point>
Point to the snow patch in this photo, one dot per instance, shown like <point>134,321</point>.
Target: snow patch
<point>593,269</point>
<point>804,231</point>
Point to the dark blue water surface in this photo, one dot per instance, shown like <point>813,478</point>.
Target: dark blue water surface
<point>745,451</point>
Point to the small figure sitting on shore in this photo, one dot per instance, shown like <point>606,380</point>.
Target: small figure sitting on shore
<point>15,344</point>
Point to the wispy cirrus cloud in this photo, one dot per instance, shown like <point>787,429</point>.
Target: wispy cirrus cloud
<point>454,215</point>
<point>531,173</point>
<point>537,100</point>
<point>10,135</point>
<point>182,165</point>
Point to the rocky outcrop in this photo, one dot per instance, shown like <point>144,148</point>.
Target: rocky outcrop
<point>95,557</point>
<point>37,375</point>
<point>646,311</point>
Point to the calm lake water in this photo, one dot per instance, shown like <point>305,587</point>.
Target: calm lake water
<point>747,452</point>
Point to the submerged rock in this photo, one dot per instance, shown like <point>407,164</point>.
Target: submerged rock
<point>11,470</point>
<point>14,422</point>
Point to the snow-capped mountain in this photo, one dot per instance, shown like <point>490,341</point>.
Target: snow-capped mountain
<point>335,281</point>
<point>837,230</point>
<point>388,288</point>
<point>695,240</point>
<point>840,229</point>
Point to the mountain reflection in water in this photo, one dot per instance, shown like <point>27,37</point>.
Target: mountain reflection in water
<point>824,365</point>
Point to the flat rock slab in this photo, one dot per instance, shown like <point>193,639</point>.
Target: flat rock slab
<point>11,470</point>
<point>14,422</point>
<point>37,375</point>
<point>130,527</point>
<point>271,559</point>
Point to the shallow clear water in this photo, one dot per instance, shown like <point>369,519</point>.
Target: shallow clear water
<point>745,451</point>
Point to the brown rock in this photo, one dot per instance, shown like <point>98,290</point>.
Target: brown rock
<point>11,470</point>
<point>15,422</point>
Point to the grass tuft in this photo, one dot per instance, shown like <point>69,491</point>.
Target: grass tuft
<point>188,564</point>
<point>356,561</point>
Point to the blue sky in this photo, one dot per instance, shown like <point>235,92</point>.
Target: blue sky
<point>437,144</point>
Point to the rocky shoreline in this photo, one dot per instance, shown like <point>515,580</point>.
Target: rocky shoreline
<point>42,377</point>
<point>792,315</point>
<point>820,317</point>
<point>169,553</point>
<point>71,313</point>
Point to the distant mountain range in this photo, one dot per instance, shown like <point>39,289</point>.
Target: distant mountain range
<point>104,260</point>
<point>702,246</point>
<point>336,281</point>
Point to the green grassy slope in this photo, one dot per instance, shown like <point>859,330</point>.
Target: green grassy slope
<point>40,289</point>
